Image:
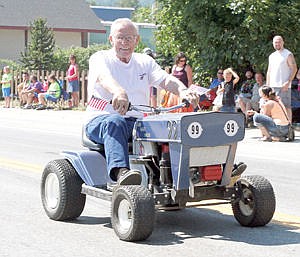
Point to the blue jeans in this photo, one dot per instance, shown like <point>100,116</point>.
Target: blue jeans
<point>261,120</point>
<point>113,131</point>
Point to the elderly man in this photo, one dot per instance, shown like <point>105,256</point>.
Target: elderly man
<point>116,77</point>
<point>281,72</point>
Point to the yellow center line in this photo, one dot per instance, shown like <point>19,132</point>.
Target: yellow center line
<point>13,164</point>
<point>278,218</point>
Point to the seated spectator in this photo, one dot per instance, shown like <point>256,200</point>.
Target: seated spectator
<point>272,119</point>
<point>245,92</point>
<point>214,85</point>
<point>255,99</point>
<point>217,81</point>
<point>22,86</point>
<point>30,94</point>
<point>53,93</point>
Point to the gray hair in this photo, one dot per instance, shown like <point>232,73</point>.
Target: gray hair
<point>123,21</point>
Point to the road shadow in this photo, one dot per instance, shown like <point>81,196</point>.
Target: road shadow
<point>176,227</point>
<point>88,220</point>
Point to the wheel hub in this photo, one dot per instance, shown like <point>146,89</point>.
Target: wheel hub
<point>246,202</point>
<point>52,190</point>
<point>125,215</point>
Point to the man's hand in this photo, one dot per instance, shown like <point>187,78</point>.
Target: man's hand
<point>285,86</point>
<point>120,102</point>
<point>191,96</point>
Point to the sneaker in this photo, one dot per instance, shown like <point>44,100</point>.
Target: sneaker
<point>238,169</point>
<point>27,106</point>
<point>129,177</point>
<point>42,107</point>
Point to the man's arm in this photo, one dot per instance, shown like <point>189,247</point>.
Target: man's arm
<point>293,66</point>
<point>176,87</point>
<point>268,74</point>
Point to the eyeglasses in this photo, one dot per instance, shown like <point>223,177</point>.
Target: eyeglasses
<point>129,38</point>
<point>220,73</point>
<point>182,60</point>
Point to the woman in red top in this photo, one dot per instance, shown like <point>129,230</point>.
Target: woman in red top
<point>73,83</point>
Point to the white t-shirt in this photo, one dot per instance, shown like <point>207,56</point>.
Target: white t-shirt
<point>280,72</point>
<point>135,77</point>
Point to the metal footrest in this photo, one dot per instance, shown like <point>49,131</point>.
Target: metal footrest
<point>99,192</point>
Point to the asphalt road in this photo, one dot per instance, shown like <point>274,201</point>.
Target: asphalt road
<point>29,139</point>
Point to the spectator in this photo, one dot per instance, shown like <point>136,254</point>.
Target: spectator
<point>182,70</point>
<point>30,94</point>
<point>255,99</point>
<point>214,85</point>
<point>272,119</point>
<point>245,93</point>
<point>6,82</point>
<point>227,89</point>
<point>53,93</point>
<point>73,83</point>
<point>217,81</point>
<point>121,76</point>
<point>184,73</point>
<point>282,69</point>
<point>22,86</point>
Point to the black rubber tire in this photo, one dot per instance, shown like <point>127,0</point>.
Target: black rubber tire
<point>255,201</point>
<point>132,212</point>
<point>61,191</point>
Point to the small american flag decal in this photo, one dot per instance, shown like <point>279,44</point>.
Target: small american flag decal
<point>97,103</point>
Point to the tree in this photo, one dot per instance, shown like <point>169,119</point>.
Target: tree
<point>143,14</point>
<point>39,54</point>
<point>226,33</point>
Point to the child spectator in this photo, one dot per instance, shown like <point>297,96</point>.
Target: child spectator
<point>6,85</point>
<point>53,93</point>
<point>227,88</point>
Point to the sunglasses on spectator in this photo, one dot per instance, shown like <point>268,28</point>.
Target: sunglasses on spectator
<point>220,73</point>
<point>182,60</point>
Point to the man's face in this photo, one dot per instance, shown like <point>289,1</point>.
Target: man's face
<point>249,74</point>
<point>220,74</point>
<point>278,43</point>
<point>259,78</point>
<point>124,40</point>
